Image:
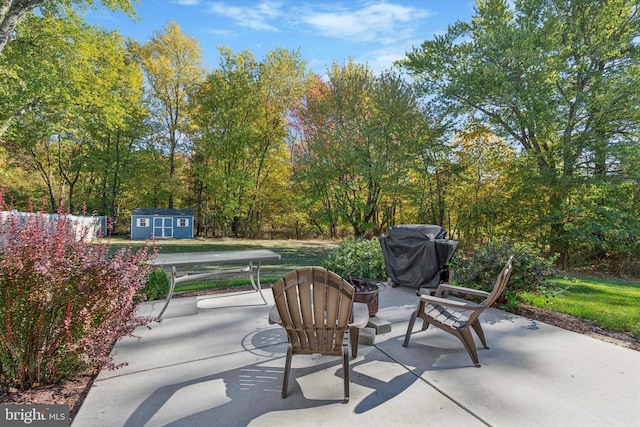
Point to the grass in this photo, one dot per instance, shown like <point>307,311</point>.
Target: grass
<point>612,304</point>
<point>294,254</point>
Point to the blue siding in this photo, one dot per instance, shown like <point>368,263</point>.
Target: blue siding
<point>162,224</point>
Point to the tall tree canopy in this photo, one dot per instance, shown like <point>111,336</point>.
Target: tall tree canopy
<point>240,162</point>
<point>13,11</point>
<point>559,78</point>
<point>172,62</point>
<point>61,121</point>
<point>357,135</point>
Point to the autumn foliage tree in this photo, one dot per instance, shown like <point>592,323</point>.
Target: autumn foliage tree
<point>479,198</point>
<point>357,135</point>
<point>559,81</point>
<point>67,128</point>
<point>522,121</point>
<point>172,63</point>
<point>240,162</point>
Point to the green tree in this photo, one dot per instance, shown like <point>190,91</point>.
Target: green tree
<point>109,109</point>
<point>240,162</point>
<point>222,160</point>
<point>558,78</point>
<point>357,136</point>
<point>12,12</point>
<point>308,181</point>
<point>172,62</point>
<point>282,79</point>
<point>431,173</point>
<point>68,116</point>
<point>483,162</point>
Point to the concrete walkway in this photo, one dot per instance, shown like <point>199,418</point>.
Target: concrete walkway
<point>215,361</point>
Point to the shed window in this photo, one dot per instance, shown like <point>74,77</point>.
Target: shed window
<point>143,222</point>
<point>183,222</point>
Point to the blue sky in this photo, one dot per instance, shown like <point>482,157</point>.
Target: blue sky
<point>372,32</point>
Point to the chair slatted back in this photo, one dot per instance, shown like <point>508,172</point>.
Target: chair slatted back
<point>315,307</point>
<point>501,283</point>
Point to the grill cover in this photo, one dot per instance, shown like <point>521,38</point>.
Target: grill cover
<point>416,254</point>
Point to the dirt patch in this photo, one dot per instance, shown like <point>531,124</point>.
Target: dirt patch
<point>70,392</point>
<point>73,391</point>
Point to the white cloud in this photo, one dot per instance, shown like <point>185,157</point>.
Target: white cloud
<point>186,2</point>
<point>223,34</point>
<point>385,23</point>
<point>256,18</point>
<point>385,30</point>
<point>383,58</point>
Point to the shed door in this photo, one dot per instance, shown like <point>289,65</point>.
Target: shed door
<point>162,227</point>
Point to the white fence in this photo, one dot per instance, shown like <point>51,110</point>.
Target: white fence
<point>87,227</point>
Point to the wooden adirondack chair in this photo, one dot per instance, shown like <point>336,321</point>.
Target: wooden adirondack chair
<point>457,316</point>
<point>315,307</point>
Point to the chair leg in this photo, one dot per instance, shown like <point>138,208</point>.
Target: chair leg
<point>476,327</point>
<point>354,337</point>
<point>412,321</point>
<point>467,340</point>
<point>345,375</point>
<point>287,371</point>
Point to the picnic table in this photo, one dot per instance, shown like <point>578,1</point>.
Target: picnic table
<point>250,260</point>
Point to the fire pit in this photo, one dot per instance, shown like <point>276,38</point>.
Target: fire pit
<point>366,292</point>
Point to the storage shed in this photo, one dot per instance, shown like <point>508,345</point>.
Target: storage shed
<point>147,223</point>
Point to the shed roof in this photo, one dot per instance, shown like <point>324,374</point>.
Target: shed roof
<point>162,212</point>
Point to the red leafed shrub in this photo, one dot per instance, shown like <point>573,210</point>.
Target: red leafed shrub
<point>63,301</point>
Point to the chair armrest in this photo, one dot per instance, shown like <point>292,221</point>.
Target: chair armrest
<point>460,289</point>
<point>360,315</point>
<point>274,316</point>
<point>459,304</point>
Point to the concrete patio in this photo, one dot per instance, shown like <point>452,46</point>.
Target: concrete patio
<point>215,361</point>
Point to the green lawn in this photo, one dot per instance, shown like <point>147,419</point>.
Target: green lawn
<point>612,304</point>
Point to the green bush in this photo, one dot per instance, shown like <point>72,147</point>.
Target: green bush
<point>157,286</point>
<point>480,268</point>
<point>357,257</point>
